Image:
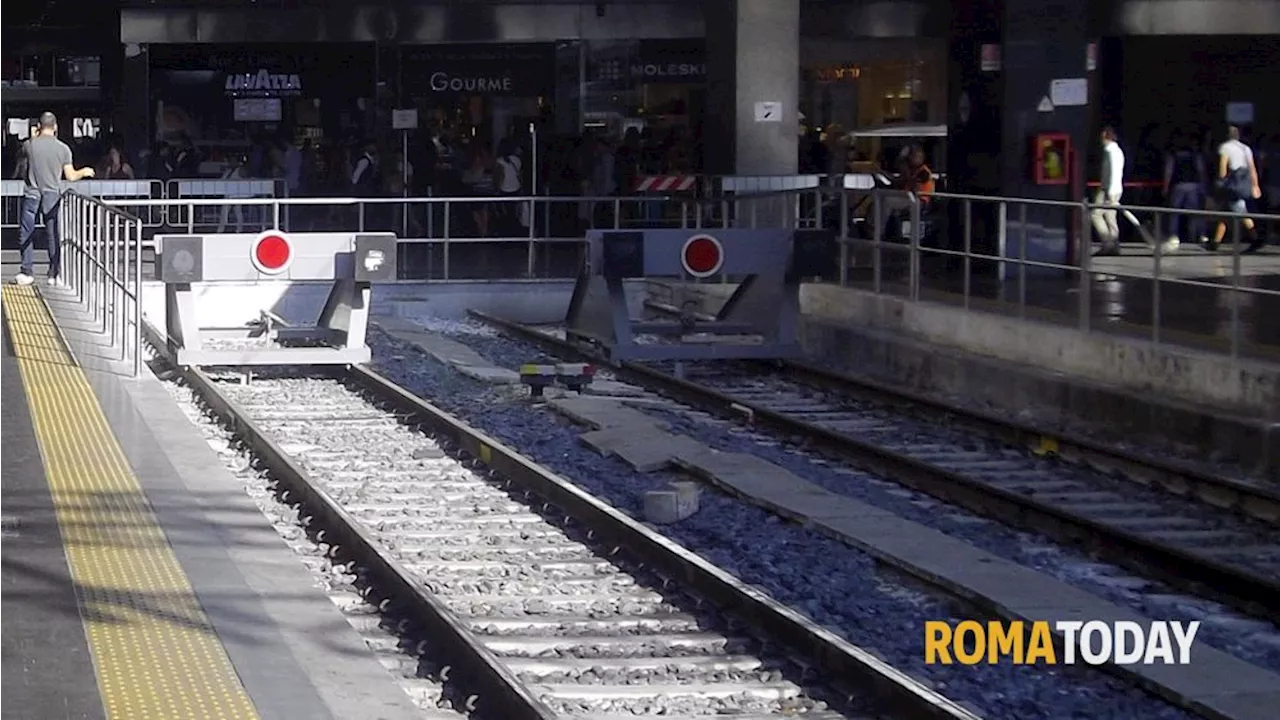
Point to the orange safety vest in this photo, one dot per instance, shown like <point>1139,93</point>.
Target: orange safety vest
<point>922,182</point>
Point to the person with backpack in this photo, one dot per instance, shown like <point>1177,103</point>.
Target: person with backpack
<point>1237,184</point>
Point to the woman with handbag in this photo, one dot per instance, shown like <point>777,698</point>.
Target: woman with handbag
<point>1237,184</point>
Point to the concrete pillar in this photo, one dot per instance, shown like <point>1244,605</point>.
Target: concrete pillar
<point>997,105</point>
<point>753,57</point>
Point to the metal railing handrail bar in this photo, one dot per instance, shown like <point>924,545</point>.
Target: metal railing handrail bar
<point>115,211</point>
<point>380,200</point>
<point>86,248</point>
<point>1084,202</point>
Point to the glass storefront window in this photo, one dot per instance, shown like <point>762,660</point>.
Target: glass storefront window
<point>486,92</point>
<point>643,83</point>
<point>892,83</point>
<point>49,70</point>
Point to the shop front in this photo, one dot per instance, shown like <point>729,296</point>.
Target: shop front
<point>223,98</point>
<point>485,92</point>
<point>846,86</point>
<point>68,86</point>
<point>656,88</point>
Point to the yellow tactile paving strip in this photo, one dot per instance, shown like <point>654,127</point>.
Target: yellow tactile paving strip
<point>156,655</point>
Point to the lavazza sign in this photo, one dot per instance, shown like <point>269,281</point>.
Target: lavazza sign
<point>263,82</point>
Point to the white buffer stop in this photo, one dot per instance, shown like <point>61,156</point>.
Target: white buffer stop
<point>348,262</point>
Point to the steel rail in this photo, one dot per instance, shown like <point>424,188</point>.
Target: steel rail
<point>1249,499</point>
<point>500,693</point>
<point>1248,592</point>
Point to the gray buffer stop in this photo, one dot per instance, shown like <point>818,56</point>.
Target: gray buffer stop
<point>759,321</point>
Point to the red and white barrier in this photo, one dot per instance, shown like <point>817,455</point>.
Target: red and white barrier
<point>665,183</point>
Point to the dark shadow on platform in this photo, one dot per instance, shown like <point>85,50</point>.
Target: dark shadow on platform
<point>238,611</point>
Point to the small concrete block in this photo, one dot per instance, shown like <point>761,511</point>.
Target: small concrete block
<point>491,375</point>
<point>663,507</point>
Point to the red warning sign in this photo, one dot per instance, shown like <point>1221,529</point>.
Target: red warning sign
<point>272,252</point>
<point>702,256</point>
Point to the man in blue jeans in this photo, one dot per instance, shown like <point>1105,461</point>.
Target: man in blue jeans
<point>48,162</point>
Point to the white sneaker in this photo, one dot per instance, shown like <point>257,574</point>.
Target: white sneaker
<point>54,282</point>
<point>23,279</point>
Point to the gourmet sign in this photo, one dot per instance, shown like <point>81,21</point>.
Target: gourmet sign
<point>444,82</point>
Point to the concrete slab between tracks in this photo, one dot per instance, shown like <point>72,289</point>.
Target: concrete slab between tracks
<point>447,352</point>
<point>295,653</point>
<point>1215,684</point>
<point>1109,382</point>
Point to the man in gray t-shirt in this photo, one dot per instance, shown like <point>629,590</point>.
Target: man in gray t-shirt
<point>48,162</point>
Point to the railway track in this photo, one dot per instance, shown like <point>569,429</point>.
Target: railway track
<point>1212,536</point>
<point>544,601</point>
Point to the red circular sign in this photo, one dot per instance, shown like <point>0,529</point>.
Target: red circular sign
<point>702,255</point>
<point>272,252</point>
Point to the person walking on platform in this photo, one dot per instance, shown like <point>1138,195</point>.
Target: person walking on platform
<point>1107,199</point>
<point>48,162</point>
<point>1185,180</point>
<point>1237,184</point>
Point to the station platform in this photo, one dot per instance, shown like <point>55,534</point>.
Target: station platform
<point>139,579</point>
<point>1122,294</point>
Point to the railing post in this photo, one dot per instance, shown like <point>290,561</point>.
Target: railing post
<point>1002,242</point>
<point>842,206</point>
<point>915,259</point>
<point>137,299</point>
<point>444,254</point>
<point>1022,261</point>
<point>967,223</point>
<point>95,229</point>
<point>1158,254</point>
<point>120,268</point>
<point>1086,268</point>
<point>877,237</point>
<point>81,259</point>
<point>108,289</point>
<point>532,252</point>
<point>1235,288</point>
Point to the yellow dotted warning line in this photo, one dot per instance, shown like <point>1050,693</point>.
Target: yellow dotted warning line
<point>155,653</point>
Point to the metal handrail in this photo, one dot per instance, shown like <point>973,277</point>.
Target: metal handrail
<point>422,199</point>
<point>810,207</point>
<point>915,250</point>
<point>103,247</point>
